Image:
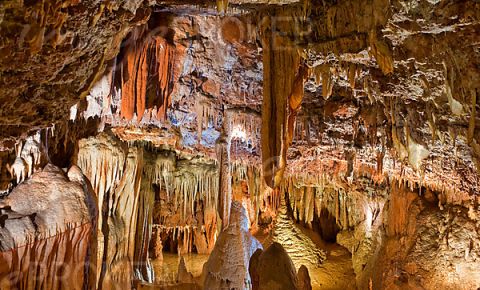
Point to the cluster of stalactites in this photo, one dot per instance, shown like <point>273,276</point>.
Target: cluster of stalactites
<point>414,152</point>
<point>348,208</point>
<point>245,127</point>
<point>194,186</point>
<point>102,164</point>
<point>182,236</point>
<point>249,173</point>
<point>184,187</point>
<point>325,75</point>
<point>31,154</point>
<point>160,171</point>
<point>147,73</point>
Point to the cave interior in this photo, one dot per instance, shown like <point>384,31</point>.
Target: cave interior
<point>239,144</point>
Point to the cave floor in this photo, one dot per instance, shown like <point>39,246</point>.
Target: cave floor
<point>335,273</point>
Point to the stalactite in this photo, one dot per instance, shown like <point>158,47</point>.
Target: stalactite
<point>222,6</point>
<point>327,82</point>
<point>295,100</point>
<point>352,69</point>
<point>199,110</point>
<point>279,70</point>
<point>398,145</point>
<point>380,157</point>
<point>455,106</point>
<point>129,72</point>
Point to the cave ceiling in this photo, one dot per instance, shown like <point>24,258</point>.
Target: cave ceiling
<point>391,82</point>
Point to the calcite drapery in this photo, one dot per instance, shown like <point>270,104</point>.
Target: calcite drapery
<point>147,74</point>
<point>125,220</point>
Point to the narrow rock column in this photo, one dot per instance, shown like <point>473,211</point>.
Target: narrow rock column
<point>225,178</point>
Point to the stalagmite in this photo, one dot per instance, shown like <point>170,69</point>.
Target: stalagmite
<point>304,281</point>
<point>274,269</point>
<point>227,266</point>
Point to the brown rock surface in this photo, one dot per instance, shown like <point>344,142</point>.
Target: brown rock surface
<point>356,119</point>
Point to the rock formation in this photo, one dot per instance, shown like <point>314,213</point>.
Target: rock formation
<point>227,266</point>
<point>345,131</point>
<point>273,269</point>
<point>47,224</point>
